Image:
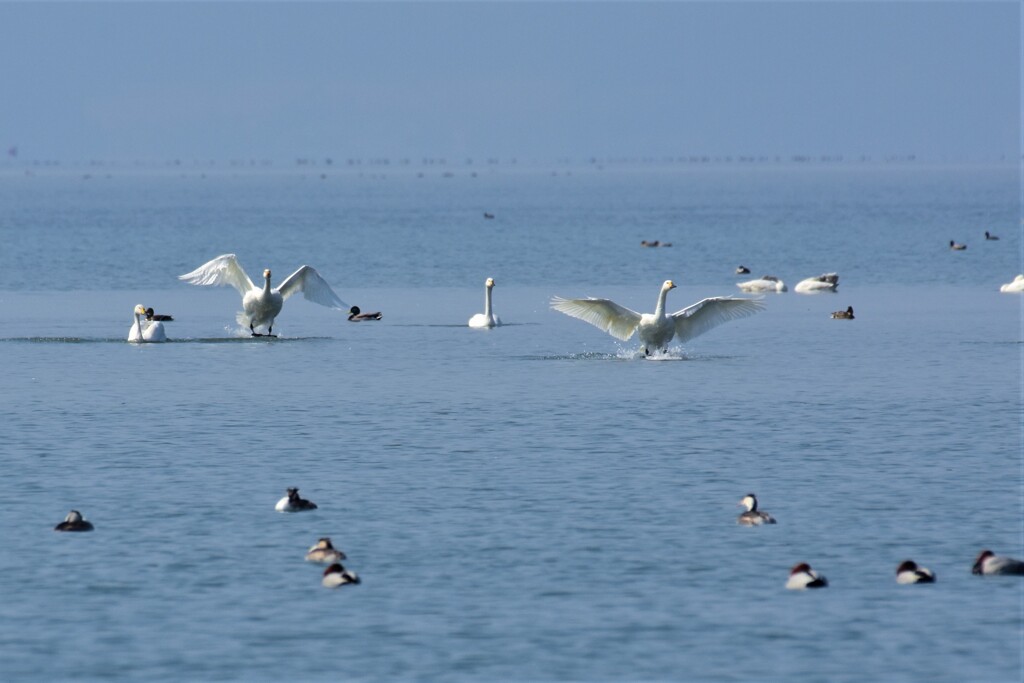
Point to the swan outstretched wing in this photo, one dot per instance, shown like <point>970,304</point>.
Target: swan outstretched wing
<point>606,315</point>
<point>313,287</point>
<point>223,270</point>
<point>700,317</point>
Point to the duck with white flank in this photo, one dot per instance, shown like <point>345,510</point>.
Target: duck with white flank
<point>843,315</point>
<point>74,522</point>
<point>150,315</point>
<point>146,331</point>
<point>802,576</point>
<point>990,564</point>
<point>742,270</point>
<point>909,572</point>
<point>657,329</point>
<point>765,283</point>
<point>487,318</point>
<point>336,575</point>
<point>956,247</point>
<point>324,553</point>
<point>293,503</point>
<point>826,282</point>
<point>357,316</point>
<point>261,305</point>
<point>753,516</point>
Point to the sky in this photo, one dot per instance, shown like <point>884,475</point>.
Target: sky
<point>529,80</point>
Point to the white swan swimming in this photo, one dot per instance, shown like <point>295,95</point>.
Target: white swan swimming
<point>826,282</point>
<point>1016,286</point>
<point>487,318</point>
<point>765,283</point>
<point>146,331</point>
<point>261,305</point>
<point>657,329</point>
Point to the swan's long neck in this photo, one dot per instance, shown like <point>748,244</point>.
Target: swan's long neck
<point>487,302</point>
<point>659,310</point>
<point>138,324</point>
<point>266,285</point>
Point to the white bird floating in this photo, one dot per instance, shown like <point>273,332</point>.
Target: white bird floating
<point>765,283</point>
<point>487,318</point>
<point>1016,286</point>
<point>826,282</point>
<point>261,305</point>
<point>657,329</point>
<point>146,330</point>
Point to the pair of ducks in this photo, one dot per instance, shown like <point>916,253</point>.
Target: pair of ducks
<point>655,243</point>
<point>323,551</point>
<point>802,576</point>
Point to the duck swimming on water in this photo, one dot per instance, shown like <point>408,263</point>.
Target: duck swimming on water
<point>150,315</point>
<point>357,316</point>
<point>324,552</point>
<point>293,503</point>
<point>74,522</point>
<point>802,576</point>
<point>909,572</point>
<point>753,516</point>
<point>843,315</point>
<point>336,575</point>
<point>989,564</point>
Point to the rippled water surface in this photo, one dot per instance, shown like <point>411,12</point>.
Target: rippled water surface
<point>533,502</point>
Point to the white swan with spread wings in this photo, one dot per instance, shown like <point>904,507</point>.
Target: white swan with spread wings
<point>657,329</point>
<point>261,305</point>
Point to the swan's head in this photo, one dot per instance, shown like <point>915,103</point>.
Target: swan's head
<point>73,517</point>
<point>489,283</point>
<point>749,501</point>
<point>266,274</point>
<point>140,310</point>
<point>668,285</point>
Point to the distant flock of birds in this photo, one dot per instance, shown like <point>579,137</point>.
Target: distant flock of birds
<point>322,552</point>
<point>801,576</point>
<point>262,304</point>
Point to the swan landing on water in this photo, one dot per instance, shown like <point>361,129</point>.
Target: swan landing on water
<point>261,305</point>
<point>657,329</point>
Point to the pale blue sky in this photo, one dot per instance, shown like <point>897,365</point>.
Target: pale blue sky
<point>539,81</point>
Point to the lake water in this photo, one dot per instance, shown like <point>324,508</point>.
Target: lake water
<point>533,502</point>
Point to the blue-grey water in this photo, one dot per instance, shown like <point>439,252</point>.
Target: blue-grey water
<point>533,502</point>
